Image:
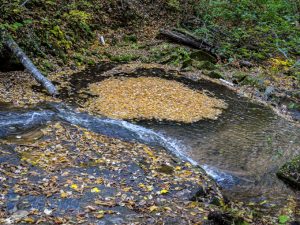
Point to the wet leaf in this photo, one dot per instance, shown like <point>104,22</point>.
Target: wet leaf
<point>153,208</point>
<point>164,191</point>
<point>95,190</point>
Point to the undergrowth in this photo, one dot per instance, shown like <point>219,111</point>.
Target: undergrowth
<point>249,29</point>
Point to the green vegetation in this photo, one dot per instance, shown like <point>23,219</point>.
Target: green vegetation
<point>241,29</point>
<point>290,172</point>
<point>250,29</point>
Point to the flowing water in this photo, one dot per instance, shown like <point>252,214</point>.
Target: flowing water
<point>242,149</point>
<point>248,141</point>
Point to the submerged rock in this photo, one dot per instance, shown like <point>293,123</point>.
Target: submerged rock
<point>290,172</point>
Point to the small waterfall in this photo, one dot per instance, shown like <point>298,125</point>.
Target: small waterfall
<point>124,130</point>
<point>18,121</point>
<point>120,129</point>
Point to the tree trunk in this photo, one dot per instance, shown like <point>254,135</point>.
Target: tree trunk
<point>13,46</point>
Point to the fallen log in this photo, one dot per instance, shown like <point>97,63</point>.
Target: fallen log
<point>184,37</point>
<point>17,51</point>
<point>193,37</point>
<point>189,40</point>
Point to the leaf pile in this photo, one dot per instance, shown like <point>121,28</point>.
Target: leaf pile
<point>16,88</point>
<point>152,98</point>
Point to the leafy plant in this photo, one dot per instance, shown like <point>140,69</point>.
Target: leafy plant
<point>283,219</point>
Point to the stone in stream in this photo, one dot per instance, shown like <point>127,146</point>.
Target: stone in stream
<point>290,172</point>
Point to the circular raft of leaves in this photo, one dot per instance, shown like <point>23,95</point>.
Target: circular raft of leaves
<point>152,98</point>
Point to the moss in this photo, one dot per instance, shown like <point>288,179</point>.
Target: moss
<point>174,4</point>
<point>202,56</point>
<point>47,65</point>
<point>130,38</point>
<point>203,65</point>
<point>290,172</point>
<point>239,76</point>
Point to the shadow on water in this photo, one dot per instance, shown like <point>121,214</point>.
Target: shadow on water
<point>242,149</point>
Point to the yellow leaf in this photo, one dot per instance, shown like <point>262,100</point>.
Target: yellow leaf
<point>64,194</point>
<point>29,220</point>
<point>164,191</point>
<point>74,186</point>
<point>149,188</point>
<point>177,168</point>
<point>99,180</point>
<point>100,214</point>
<point>88,135</point>
<point>95,190</point>
<point>127,189</point>
<point>153,208</point>
<point>188,165</point>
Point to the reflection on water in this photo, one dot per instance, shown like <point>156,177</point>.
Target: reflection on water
<point>248,141</point>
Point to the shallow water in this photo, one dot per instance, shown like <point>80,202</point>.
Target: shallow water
<point>242,149</point>
<point>249,141</point>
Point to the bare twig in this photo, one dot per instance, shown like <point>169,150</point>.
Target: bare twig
<point>24,3</point>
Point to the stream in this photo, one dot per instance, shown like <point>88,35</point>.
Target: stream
<point>241,150</point>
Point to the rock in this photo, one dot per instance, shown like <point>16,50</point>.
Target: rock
<point>166,169</point>
<point>201,193</point>
<point>48,211</point>
<point>269,90</point>
<point>245,63</point>
<point>290,172</point>
<point>223,218</point>
<point>18,215</point>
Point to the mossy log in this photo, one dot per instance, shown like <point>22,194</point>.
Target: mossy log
<point>17,51</point>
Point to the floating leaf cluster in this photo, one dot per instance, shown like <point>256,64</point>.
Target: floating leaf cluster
<point>152,98</point>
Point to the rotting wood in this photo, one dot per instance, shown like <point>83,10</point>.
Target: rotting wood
<point>18,52</point>
<point>186,38</point>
